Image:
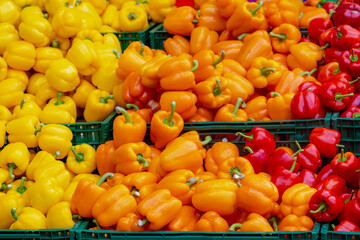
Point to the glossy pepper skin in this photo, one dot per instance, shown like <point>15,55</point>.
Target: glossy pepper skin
<point>231,112</point>
<point>305,104</point>
<point>82,93</point>
<point>177,45</point>
<point>129,223</point>
<point>29,218</point>
<point>279,107</point>
<point>294,223</point>
<point>264,72</point>
<point>59,216</point>
<point>345,165</point>
<point>318,26</point>
<point>253,223</point>
<point>284,36</point>
<point>81,159</point>
<point>20,55</point>
<point>159,9</point>
<point>24,129</point>
<point>148,71</point>
<point>202,38</point>
<point>62,75</point>
<point>103,158</point>
<point>349,62</point>
<point>185,103</point>
<point>210,17</point>
<point>327,71</point>
<point>132,59</point>
<point>346,226</point>
<point>325,206</point>
<point>15,157</point>
<point>239,86</point>
<point>186,220</point>
<point>347,13</point>
<point>208,64</point>
<point>351,112</point>
<point>101,103</point>
<point>304,55</point>
<point>159,208</point>
<point>333,183</point>
<point>283,11</point>
<point>61,23</point>
<point>259,138</point>
<point>351,211</point>
<point>211,221</point>
<point>132,18</point>
<point>342,37</point>
<point>325,140</point>
<point>308,177</point>
<point>184,27</point>
<point>309,158</point>
<point>258,159</point>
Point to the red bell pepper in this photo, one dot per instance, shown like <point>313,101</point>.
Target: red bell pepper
<point>332,54</point>
<point>257,159</point>
<point>321,113</point>
<point>309,158</point>
<point>326,141</point>
<point>351,112</point>
<point>314,87</point>
<point>347,13</point>
<point>259,138</point>
<point>318,26</point>
<point>346,226</point>
<point>354,101</point>
<point>346,197</point>
<point>343,37</point>
<point>349,62</point>
<point>327,71</point>
<point>135,92</point>
<point>284,178</point>
<point>325,206</point>
<point>306,39</point>
<point>281,158</point>
<point>351,212</point>
<point>345,165</point>
<point>308,177</point>
<point>333,183</point>
<point>305,104</point>
<point>324,172</point>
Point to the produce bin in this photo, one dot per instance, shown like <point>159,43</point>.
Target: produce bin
<point>349,129</point>
<point>327,234</point>
<point>157,37</point>
<point>82,233</point>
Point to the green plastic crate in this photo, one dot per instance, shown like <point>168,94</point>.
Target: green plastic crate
<point>128,37</point>
<point>328,234</point>
<point>93,133</point>
<point>158,35</point>
<point>82,233</point>
<point>349,129</point>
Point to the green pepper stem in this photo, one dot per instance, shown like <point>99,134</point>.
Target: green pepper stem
<point>219,60</point>
<point>141,223</point>
<point>13,213</point>
<point>300,15</point>
<point>22,103</point>
<point>325,46</point>
<point>125,113</point>
<point>251,119</point>
<point>253,11</point>
<point>195,21</point>
<point>105,99</point>
<point>333,226</point>
<point>357,170</point>
<point>57,153</point>
<point>282,37</point>
<point>248,149</point>
<point>251,137</point>
<point>21,189</point>
<point>196,65</point>
<point>135,192</point>
<point>217,90</point>
<point>55,44</point>
<point>116,52</point>
<point>235,226</point>
<point>275,94</point>
<point>130,105</point>
<point>37,130</point>
<point>293,165</point>
<point>207,140</point>
<point>58,101</point>
<point>198,13</point>
<point>235,173</point>
<point>169,121</point>
<point>141,50</point>
<point>356,115</point>
<point>96,223</point>
<point>274,221</point>
<point>11,166</point>
<point>298,145</point>
<point>192,181</point>
<point>79,157</point>
<point>87,38</point>
<point>241,37</point>
<point>267,71</point>
<point>337,3</point>
<point>236,108</point>
<point>342,158</point>
<point>353,57</point>
<point>238,183</point>
<point>322,207</point>
<point>104,177</point>
<point>339,96</point>
<point>132,16</point>
<point>142,160</point>
<point>297,152</point>
<point>4,187</point>
<point>351,196</point>
<point>308,73</point>
<point>352,82</point>
<point>339,146</point>
<point>76,216</point>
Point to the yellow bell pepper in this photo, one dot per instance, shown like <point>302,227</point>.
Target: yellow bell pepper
<point>9,12</point>
<point>41,158</point>
<point>94,177</point>
<point>82,93</point>
<point>11,92</point>
<point>69,191</point>
<point>90,34</point>
<point>99,5</point>
<point>24,129</point>
<point>159,9</point>
<point>36,30</point>
<point>90,18</point>
<point>44,194</point>
<point>20,55</point>
<point>29,218</point>
<point>7,202</point>
<point>5,180</point>
<point>44,56</point>
<point>60,216</point>
<point>112,40</point>
<point>52,6</point>
<point>60,43</point>
<point>2,133</point>
<point>21,186</point>
<point>99,106</point>
<point>27,108</point>
<point>110,17</point>
<point>3,69</point>
<point>84,56</point>
<point>66,21</point>
<point>304,55</point>
<point>81,159</point>
<point>15,157</point>
<point>28,97</point>
<point>133,19</point>
<point>8,34</point>
<point>279,107</point>
<point>24,3</point>
<point>53,169</point>
<point>31,10</point>
<point>54,114</point>
<point>20,75</point>
<point>264,72</point>
<point>55,138</point>
<point>118,3</point>
<point>65,103</point>
<point>149,70</point>
<point>62,75</point>
<point>35,81</point>
<point>5,114</point>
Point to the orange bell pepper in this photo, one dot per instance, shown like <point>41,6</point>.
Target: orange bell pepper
<point>199,3</point>
<point>309,13</point>
<point>143,50</point>
<point>256,108</point>
<point>240,87</point>
<point>130,61</point>
<point>159,208</point>
<point>282,11</point>
<point>211,221</point>
<point>304,55</point>
<point>209,17</point>
<point>115,180</point>
<point>104,154</point>
<point>180,183</point>
<point>247,17</point>
<point>177,45</point>
<point>156,168</point>
<point>184,152</point>
<point>294,223</point>
<point>148,71</point>
<point>256,194</point>
<point>202,115</point>
<point>180,21</point>
<point>229,112</point>
<point>213,93</point>
<point>145,113</point>
<point>177,74</point>
<point>106,209</point>
<point>165,127</point>
<point>230,47</point>
<point>129,223</point>
<point>255,45</point>
<point>128,128</point>
<point>279,106</point>
<point>219,153</point>
<point>217,195</point>
<point>185,102</point>
<point>284,36</point>
<point>86,194</point>
<point>185,220</point>
<point>289,82</point>
<point>254,223</point>
<point>132,157</point>
<point>227,7</point>
<point>264,72</point>
<point>281,59</point>
<point>208,64</point>
<point>202,38</point>
<point>135,181</point>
